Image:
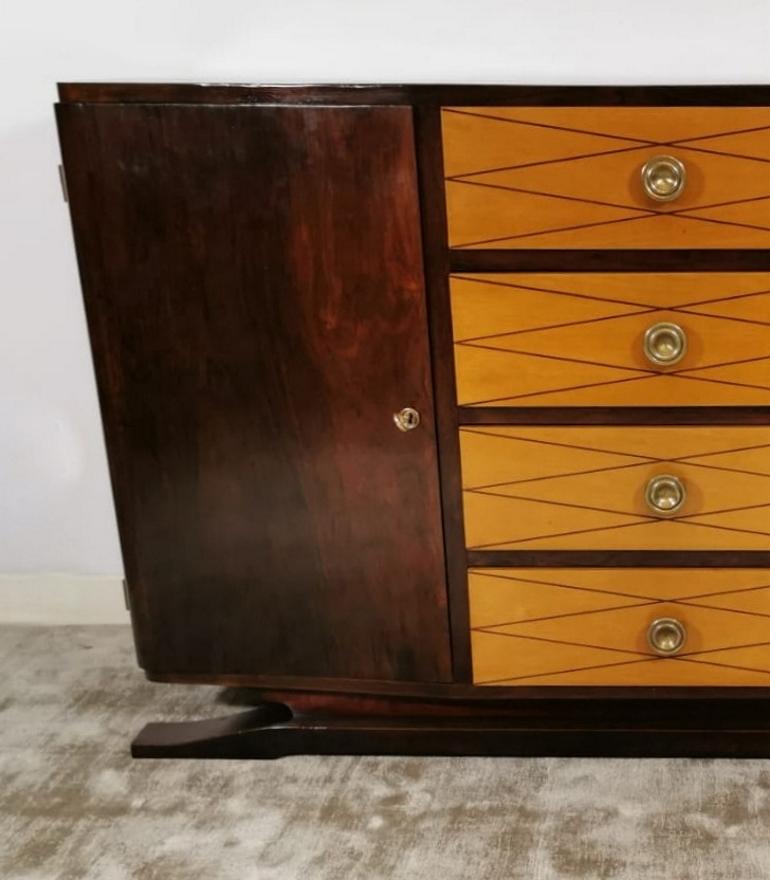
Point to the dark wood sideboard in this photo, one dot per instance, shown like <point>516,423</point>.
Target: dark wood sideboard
<point>437,417</point>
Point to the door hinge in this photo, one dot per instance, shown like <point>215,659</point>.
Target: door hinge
<point>63,181</point>
<point>126,597</point>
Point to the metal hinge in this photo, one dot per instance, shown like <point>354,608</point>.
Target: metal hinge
<point>63,180</point>
<point>126,597</point>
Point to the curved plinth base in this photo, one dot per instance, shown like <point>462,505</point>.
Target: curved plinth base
<point>656,729</point>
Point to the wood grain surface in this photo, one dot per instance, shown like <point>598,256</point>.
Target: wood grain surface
<point>253,281</point>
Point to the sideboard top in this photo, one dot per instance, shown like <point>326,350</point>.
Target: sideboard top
<point>456,95</point>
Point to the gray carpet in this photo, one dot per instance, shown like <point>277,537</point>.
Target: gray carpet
<point>74,806</point>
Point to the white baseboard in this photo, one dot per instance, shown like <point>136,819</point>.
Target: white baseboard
<point>62,599</point>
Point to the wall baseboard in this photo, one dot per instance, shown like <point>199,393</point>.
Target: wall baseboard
<point>62,599</point>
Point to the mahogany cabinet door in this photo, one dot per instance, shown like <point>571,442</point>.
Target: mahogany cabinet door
<point>254,293</point>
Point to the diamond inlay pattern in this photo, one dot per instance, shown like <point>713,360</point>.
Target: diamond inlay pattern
<point>576,488</point>
<point>568,177</point>
<point>588,626</point>
<point>564,339</point>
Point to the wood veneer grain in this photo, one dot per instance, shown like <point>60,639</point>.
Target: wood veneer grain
<point>252,277</point>
<point>589,626</point>
<point>582,488</point>
<point>569,177</point>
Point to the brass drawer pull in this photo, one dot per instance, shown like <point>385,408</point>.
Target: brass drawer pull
<point>665,344</point>
<point>663,178</point>
<point>406,419</point>
<point>665,495</point>
<point>666,636</point>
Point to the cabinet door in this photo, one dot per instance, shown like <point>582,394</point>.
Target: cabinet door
<point>253,286</point>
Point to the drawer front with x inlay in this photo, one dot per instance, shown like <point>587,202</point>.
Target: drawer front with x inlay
<point>607,177</point>
<point>612,339</point>
<point>619,488</point>
<point>614,626</point>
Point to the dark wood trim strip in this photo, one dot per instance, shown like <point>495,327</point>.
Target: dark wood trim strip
<point>427,94</point>
<point>308,725</point>
<point>427,127</point>
<point>684,713</point>
<point>542,260</point>
<point>548,696</point>
<point>618,558</point>
<point>610,415</point>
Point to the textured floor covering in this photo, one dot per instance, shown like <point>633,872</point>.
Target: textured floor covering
<point>74,806</point>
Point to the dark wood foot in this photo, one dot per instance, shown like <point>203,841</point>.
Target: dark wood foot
<point>235,736</point>
<point>273,730</point>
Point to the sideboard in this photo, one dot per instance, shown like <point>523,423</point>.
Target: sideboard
<point>437,417</point>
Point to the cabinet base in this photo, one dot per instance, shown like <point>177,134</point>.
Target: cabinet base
<point>569,729</point>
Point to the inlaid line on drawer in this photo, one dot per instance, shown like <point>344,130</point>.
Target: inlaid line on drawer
<point>629,261</point>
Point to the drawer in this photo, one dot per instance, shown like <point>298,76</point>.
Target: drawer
<point>616,488</point>
<point>571,177</point>
<point>608,626</point>
<point>610,339</point>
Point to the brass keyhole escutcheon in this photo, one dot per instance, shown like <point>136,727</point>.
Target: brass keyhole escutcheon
<point>663,178</point>
<point>406,419</point>
<point>665,344</point>
<point>665,495</point>
<point>666,636</point>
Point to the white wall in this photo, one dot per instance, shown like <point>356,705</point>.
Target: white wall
<point>55,507</point>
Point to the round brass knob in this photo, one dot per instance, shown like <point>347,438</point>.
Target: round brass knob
<point>663,178</point>
<point>665,495</point>
<point>666,636</point>
<point>665,344</point>
<point>406,419</point>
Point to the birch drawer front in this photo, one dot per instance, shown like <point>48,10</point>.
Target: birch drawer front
<point>620,626</point>
<point>616,488</point>
<point>607,177</point>
<point>606,339</point>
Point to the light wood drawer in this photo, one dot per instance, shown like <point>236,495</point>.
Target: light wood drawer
<point>571,339</point>
<point>576,488</point>
<point>590,626</point>
<point>570,177</point>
